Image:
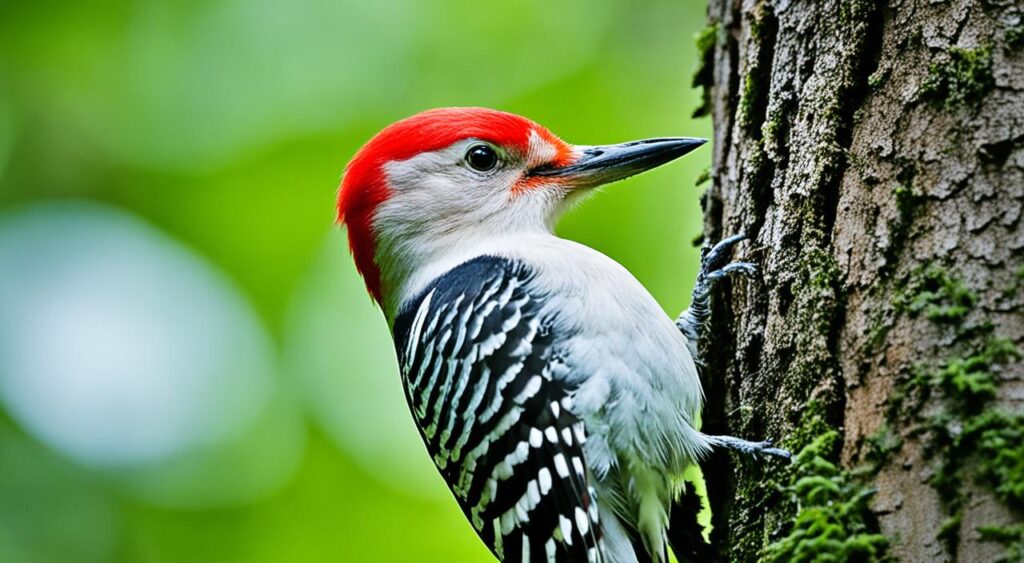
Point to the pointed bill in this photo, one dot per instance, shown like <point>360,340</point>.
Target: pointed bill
<point>609,163</point>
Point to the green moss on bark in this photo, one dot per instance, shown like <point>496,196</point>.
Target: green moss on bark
<point>833,521</point>
<point>1010,536</point>
<point>882,445</point>
<point>703,76</point>
<point>878,78</point>
<point>748,98</point>
<point>941,297</point>
<point>820,269</point>
<point>907,202</point>
<point>1000,441</point>
<point>970,382</point>
<point>965,78</point>
<point>969,436</point>
<point>929,290</point>
<point>754,90</point>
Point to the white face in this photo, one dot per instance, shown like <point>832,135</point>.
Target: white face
<point>448,189</point>
<point>442,199</point>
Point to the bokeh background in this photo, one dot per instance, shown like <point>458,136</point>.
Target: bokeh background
<point>190,369</point>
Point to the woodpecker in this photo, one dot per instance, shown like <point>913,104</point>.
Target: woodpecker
<point>556,398</point>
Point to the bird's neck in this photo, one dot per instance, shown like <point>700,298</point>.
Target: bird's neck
<point>408,268</point>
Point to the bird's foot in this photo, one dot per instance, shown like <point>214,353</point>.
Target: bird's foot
<point>750,448</point>
<point>713,261</point>
<point>714,265</point>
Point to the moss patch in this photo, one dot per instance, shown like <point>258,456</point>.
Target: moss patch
<point>820,269</point>
<point>1000,441</point>
<point>833,521</point>
<point>703,76</point>
<point>907,201</point>
<point>877,78</point>
<point>967,435</point>
<point>964,79</point>
<point>929,290</point>
<point>882,445</point>
<point>949,531</point>
<point>970,382</point>
<point>1010,536</point>
<point>941,297</point>
<point>753,100</point>
<point>748,98</point>
<point>971,439</point>
<point>772,128</point>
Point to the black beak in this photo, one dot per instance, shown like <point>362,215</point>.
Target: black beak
<point>609,163</point>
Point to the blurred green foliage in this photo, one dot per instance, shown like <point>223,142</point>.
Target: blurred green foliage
<point>226,124</point>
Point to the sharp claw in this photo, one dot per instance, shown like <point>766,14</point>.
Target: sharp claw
<point>746,268</point>
<point>712,256</point>
<point>729,241</point>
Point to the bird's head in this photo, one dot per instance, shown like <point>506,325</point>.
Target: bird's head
<point>449,177</point>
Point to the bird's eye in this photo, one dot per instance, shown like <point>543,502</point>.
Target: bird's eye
<point>481,158</point>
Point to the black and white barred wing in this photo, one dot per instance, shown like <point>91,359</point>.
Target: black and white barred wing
<point>478,365</point>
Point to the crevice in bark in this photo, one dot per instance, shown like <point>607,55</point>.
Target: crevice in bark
<point>759,173</point>
<point>730,19</point>
<point>865,58</point>
<point>753,102</point>
<point>717,467</point>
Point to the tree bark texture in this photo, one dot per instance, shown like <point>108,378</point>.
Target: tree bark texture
<point>873,152</point>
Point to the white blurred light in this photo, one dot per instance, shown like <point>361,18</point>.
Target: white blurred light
<point>119,347</point>
<point>339,347</point>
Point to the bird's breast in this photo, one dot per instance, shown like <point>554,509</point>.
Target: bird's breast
<point>631,366</point>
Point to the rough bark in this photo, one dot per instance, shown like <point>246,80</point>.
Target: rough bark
<point>873,152</point>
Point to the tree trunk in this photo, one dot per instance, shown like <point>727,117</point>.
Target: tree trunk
<point>873,152</point>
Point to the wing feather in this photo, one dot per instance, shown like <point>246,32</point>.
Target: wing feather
<point>477,362</point>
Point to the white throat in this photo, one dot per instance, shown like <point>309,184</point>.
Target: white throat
<point>440,214</point>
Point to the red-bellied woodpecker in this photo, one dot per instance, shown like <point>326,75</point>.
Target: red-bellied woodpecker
<point>555,396</point>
